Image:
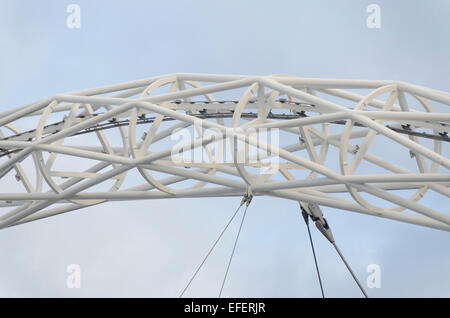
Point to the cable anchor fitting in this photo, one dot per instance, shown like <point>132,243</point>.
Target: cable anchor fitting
<point>247,197</point>
<point>315,213</point>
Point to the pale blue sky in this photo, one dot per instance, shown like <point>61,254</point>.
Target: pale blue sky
<point>150,248</point>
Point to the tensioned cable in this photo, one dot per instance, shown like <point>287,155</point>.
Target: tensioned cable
<point>322,225</point>
<point>350,270</point>
<point>211,249</point>
<point>234,248</point>
<point>306,218</point>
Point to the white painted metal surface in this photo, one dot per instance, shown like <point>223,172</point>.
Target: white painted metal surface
<point>336,136</point>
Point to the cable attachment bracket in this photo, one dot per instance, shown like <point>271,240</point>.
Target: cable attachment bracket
<point>315,213</point>
<point>247,197</point>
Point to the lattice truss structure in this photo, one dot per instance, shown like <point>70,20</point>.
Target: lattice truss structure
<point>373,147</point>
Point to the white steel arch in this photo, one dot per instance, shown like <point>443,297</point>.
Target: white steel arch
<point>334,137</point>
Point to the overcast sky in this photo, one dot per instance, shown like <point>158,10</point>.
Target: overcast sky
<point>150,248</point>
